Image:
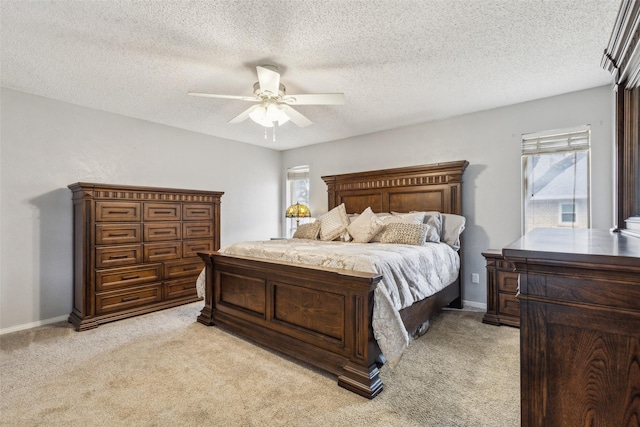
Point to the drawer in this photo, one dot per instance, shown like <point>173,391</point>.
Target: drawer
<point>111,234</point>
<point>191,248</point>
<point>157,231</point>
<point>197,230</point>
<point>117,211</point>
<point>115,256</point>
<point>183,268</point>
<point>121,300</point>
<point>507,282</point>
<point>182,288</point>
<point>197,211</point>
<point>508,304</point>
<point>116,278</point>
<point>162,212</point>
<point>154,252</point>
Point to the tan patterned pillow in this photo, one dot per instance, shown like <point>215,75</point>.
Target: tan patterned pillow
<point>409,218</point>
<point>365,226</point>
<point>307,231</point>
<point>405,234</point>
<point>334,223</point>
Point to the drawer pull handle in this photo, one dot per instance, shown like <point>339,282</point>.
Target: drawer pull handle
<point>130,277</point>
<point>163,252</point>
<point>119,212</point>
<point>117,234</point>
<point>164,212</point>
<point>199,248</point>
<point>127,299</point>
<point>189,268</point>
<point>164,232</point>
<point>118,256</point>
<point>199,212</point>
<point>198,230</point>
<point>185,287</point>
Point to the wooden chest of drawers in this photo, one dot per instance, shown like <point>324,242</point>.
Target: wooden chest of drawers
<point>503,307</point>
<point>135,248</point>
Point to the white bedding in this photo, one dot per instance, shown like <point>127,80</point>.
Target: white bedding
<point>409,274</point>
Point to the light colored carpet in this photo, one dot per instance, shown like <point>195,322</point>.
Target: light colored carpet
<point>164,369</point>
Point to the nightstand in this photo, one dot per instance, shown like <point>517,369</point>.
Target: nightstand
<point>503,307</point>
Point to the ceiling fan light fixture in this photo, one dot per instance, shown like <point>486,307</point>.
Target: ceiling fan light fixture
<point>269,113</point>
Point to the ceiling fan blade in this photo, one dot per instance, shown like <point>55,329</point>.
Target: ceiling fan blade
<point>269,80</point>
<point>295,116</point>
<point>315,99</point>
<point>244,115</point>
<point>213,95</point>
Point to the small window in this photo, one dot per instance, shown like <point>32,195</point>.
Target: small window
<point>567,213</point>
<point>556,179</point>
<point>297,192</point>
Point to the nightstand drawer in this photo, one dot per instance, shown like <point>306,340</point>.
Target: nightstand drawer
<point>162,211</point>
<point>507,282</point>
<point>117,211</point>
<point>156,252</point>
<point>116,301</point>
<point>116,256</point>
<point>116,278</point>
<point>509,304</point>
<point>158,231</point>
<point>111,234</point>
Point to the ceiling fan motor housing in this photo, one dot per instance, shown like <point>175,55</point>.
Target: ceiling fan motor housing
<point>260,94</point>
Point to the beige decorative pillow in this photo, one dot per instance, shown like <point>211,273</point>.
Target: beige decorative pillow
<point>406,234</point>
<point>334,223</point>
<point>365,226</point>
<point>307,231</point>
<point>413,218</point>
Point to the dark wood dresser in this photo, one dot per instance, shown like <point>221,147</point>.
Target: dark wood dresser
<point>579,327</point>
<point>135,249</point>
<point>503,307</point>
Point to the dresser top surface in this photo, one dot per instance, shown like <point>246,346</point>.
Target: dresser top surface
<point>579,245</point>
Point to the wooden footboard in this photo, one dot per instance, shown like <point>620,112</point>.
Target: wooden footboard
<point>319,316</point>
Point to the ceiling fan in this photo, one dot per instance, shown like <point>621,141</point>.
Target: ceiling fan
<point>273,106</point>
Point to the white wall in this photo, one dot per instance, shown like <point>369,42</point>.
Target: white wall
<point>490,141</point>
<point>47,145</point>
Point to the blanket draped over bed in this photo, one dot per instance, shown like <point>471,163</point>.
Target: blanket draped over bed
<point>409,274</point>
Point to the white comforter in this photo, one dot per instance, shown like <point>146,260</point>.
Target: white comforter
<point>409,274</point>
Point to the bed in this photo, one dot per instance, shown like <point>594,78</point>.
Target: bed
<point>323,315</point>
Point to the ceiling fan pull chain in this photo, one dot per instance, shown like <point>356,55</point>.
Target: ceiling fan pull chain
<point>275,125</point>
<point>265,133</point>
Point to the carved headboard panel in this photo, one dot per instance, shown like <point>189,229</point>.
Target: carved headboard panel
<point>435,187</point>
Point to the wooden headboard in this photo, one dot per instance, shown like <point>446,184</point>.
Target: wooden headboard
<point>435,187</point>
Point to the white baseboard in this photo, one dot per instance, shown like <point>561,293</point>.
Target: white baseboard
<point>33,324</point>
<point>475,306</point>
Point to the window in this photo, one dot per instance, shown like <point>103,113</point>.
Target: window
<point>297,192</point>
<point>567,213</point>
<point>556,179</point>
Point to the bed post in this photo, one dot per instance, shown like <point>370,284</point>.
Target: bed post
<point>206,315</point>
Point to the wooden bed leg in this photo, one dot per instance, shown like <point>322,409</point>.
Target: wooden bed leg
<point>363,381</point>
<point>456,303</point>
<point>206,314</point>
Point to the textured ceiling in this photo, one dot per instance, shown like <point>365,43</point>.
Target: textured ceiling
<point>398,62</point>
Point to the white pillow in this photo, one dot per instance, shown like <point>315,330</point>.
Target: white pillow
<point>365,226</point>
<point>334,223</point>
<point>434,220</point>
<point>408,218</point>
<point>452,227</point>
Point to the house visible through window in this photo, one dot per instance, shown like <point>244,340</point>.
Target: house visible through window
<point>556,179</point>
<point>297,192</point>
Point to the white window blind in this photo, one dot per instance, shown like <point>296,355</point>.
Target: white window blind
<point>556,142</point>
